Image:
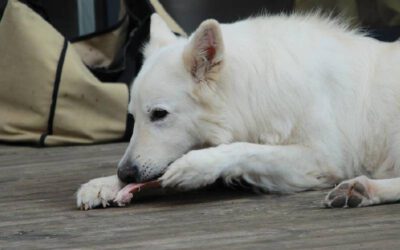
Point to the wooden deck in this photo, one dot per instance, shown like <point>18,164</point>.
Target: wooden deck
<point>37,211</point>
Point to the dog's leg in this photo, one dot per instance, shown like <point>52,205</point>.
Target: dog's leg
<point>98,192</point>
<point>362,192</point>
<point>289,168</point>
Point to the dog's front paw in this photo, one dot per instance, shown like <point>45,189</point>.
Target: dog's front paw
<point>98,192</point>
<point>194,170</point>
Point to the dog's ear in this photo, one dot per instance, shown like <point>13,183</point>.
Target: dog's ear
<point>160,35</point>
<point>203,55</point>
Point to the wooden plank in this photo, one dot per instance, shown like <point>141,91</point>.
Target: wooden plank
<point>37,210</point>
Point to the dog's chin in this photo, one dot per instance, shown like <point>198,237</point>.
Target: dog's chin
<point>163,171</point>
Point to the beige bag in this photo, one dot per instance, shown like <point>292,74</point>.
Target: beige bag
<point>47,95</point>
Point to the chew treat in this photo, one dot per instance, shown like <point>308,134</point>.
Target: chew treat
<point>125,195</point>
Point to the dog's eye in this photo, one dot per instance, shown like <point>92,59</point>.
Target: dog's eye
<point>158,114</point>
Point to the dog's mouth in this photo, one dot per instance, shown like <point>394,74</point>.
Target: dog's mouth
<point>157,177</point>
<point>133,188</point>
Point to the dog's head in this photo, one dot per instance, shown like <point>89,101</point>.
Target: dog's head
<point>171,99</point>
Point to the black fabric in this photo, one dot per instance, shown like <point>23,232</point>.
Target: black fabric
<point>386,34</point>
<point>139,10</point>
<point>129,59</point>
<point>129,127</point>
<point>37,6</point>
<point>57,80</point>
<point>3,4</point>
<point>190,13</point>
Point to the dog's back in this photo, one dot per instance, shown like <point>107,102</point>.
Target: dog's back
<point>333,84</point>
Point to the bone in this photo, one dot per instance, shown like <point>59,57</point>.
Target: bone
<point>125,195</point>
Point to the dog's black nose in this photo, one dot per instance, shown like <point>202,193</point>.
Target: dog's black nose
<point>129,174</point>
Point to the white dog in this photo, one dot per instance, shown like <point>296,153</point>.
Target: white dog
<point>285,103</point>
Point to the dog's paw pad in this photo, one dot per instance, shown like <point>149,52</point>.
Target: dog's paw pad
<point>352,193</point>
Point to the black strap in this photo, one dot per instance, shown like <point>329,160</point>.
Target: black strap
<point>129,127</point>
<point>3,4</point>
<point>57,81</point>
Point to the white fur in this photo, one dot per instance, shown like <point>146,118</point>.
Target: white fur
<point>98,192</point>
<point>287,103</point>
